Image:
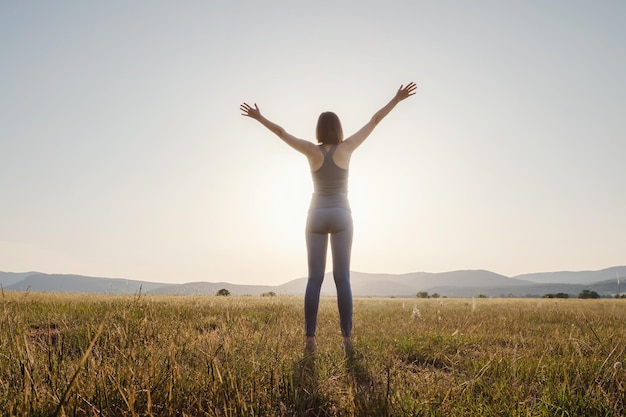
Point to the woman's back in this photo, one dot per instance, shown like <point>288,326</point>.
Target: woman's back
<point>330,182</point>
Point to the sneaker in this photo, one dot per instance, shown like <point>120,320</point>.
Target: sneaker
<point>310,346</point>
<point>347,348</point>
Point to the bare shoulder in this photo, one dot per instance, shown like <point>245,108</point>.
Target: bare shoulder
<point>315,157</point>
<point>313,152</point>
<point>303,146</point>
<point>342,155</point>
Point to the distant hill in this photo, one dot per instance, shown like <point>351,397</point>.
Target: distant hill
<point>39,282</point>
<point>210,288</point>
<point>580,277</point>
<point>10,278</point>
<point>404,285</point>
<point>603,288</point>
<point>451,284</point>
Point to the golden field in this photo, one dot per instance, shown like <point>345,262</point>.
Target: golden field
<point>142,355</point>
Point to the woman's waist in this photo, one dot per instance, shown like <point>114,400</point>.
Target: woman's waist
<point>323,200</point>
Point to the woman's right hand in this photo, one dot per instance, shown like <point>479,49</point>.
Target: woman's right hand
<point>249,111</point>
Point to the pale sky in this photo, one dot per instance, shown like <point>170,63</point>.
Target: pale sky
<point>123,152</point>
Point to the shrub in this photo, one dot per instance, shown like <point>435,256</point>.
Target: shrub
<point>588,294</point>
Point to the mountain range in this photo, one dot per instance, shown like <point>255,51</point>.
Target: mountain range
<point>467,283</point>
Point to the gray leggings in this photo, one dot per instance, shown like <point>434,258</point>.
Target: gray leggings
<point>320,223</point>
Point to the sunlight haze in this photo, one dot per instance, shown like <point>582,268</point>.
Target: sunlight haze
<point>123,152</point>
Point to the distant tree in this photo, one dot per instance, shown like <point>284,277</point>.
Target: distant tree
<point>435,295</point>
<point>422,294</point>
<point>557,295</point>
<point>269,294</point>
<point>223,292</point>
<point>588,294</point>
<point>482,296</point>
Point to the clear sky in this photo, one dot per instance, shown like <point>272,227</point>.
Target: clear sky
<point>123,152</point>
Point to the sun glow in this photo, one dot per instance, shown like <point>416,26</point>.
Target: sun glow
<point>281,202</point>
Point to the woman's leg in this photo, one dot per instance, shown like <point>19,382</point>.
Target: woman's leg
<point>341,245</point>
<point>317,246</point>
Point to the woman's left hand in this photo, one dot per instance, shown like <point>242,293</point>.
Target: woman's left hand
<point>405,92</point>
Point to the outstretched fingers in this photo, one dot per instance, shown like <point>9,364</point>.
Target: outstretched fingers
<point>247,110</point>
<point>409,90</point>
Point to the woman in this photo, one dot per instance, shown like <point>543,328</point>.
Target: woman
<point>329,212</point>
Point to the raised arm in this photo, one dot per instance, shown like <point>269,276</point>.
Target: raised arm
<point>359,137</point>
<point>307,148</point>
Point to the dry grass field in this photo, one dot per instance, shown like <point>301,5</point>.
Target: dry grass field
<point>87,355</point>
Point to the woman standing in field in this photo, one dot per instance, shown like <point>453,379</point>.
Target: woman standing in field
<point>329,212</point>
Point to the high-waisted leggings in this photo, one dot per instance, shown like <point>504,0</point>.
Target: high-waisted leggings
<point>322,222</point>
